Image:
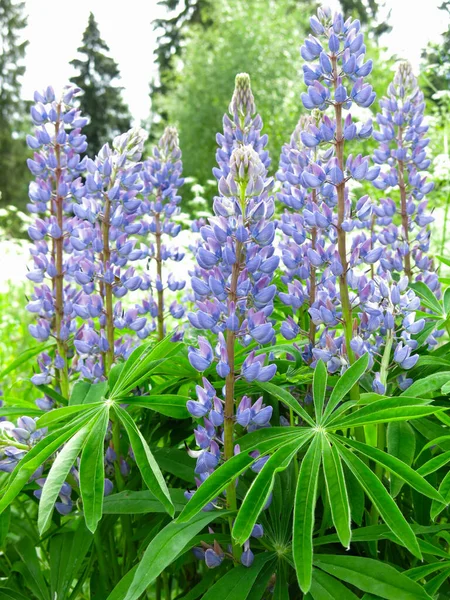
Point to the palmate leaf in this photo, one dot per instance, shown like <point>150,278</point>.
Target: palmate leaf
<point>384,411</point>
<point>58,473</point>
<point>372,576</point>
<point>230,470</point>
<point>61,414</point>
<point>92,471</point>
<point>288,399</point>
<point>395,466</point>
<point>345,383</point>
<point>171,405</point>
<point>37,456</point>
<point>161,552</point>
<point>304,508</point>
<point>260,489</point>
<point>145,461</point>
<point>140,365</point>
<point>237,583</point>
<point>325,587</point>
<point>337,492</point>
<point>380,498</point>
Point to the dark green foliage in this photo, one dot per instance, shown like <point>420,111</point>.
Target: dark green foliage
<point>102,101</point>
<point>13,151</point>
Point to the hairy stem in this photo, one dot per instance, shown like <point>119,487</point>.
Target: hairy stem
<point>159,275</point>
<point>63,373</point>
<point>403,211</point>
<point>342,248</point>
<point>107,287</point>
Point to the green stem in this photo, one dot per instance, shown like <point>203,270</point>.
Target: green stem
<point>63,373</point>
<point>107,287</point>
<point>160,318</point>
<point>102,566</point>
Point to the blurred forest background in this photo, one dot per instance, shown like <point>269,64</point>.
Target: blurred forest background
<point>201,45</point>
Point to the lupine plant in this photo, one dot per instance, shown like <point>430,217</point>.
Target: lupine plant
<point>290,438</point>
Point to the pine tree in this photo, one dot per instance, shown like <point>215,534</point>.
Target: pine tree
<point>13,180</point>
<point>102,99</point>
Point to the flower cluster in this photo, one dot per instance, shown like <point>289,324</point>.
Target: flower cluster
<point>161,176</point>
<point>108,211</point>
<point>57,166</point>
<point>330,251</point>
<point>232,284</point>
<point>402,150</point>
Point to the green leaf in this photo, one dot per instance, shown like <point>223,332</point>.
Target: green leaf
<point>237,583</point>
<point>423,571</point>
<point>57,475</point>
<point>401,443</point>
<point>60,414</point>
<point>426,385</point>
<point>304,507</point>
<point>206,581</point>
<point>259,491</point>
<point>373,576</point>
<point>428,297</point>
<point>444,490</point>
<point>18,411</point>
<point>325,587</point>
<point>67,553</point>
<point>432,586</point>
<point>337,492</point>
<point>284,396</point>
<point>319,388</point>
<point>385,505</point>
<point>434,463</point>
<point>37,456</point>
<point>265,438</point>
<point>92,471</point>
<point>129,502</point>
<point>171,405</point>
<point>216,483</point>
<point>32,569</point>
<point>383,411</point>
<point>145,461</point>
<point>176,462</point>
<point>139,366</point>
<point>162,551</point>
<point>25,356</point>
<point>395,466</point>
<point>345,383</point>
<point>85,392</point>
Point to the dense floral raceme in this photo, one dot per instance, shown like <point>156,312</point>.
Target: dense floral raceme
<point>91,233</point>
<point>161,175</point>
<point>232,285</point>
<point>335,261</point>
<point>56,165</point>
<point>402,153</point>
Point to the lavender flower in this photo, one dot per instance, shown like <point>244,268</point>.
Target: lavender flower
<point>232,282</point>
<point>402,150</point>
<point>108,213</point>
<point>326,250</point>
<point>56,165</point>
<point>161,176</point>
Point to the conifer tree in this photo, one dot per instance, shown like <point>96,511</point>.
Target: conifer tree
<point>102,100</point>
<point>12,145</point>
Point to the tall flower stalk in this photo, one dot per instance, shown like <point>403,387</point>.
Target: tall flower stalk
<point>161,176</point>
<point>108,214</point>
<point>402,151</point>
<point>58,143</point>
<point>232,283</point>
<point>332,254</point>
